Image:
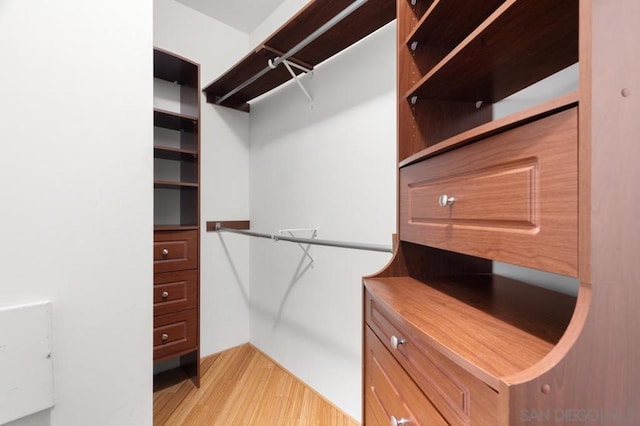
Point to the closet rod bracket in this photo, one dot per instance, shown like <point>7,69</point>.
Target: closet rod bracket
<point>292,232</point>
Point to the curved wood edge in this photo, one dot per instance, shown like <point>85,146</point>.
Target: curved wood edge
<point>396,265</point>
<point>559,353</point>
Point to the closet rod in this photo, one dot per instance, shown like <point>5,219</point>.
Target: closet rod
<point>295,49</point>
<point>341,244</point>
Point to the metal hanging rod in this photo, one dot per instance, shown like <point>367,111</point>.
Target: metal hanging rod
<point>313,241</point>
<point>295,49</point>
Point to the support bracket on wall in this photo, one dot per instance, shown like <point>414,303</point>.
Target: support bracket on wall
<point>291,232</point>
<point>288,64</point>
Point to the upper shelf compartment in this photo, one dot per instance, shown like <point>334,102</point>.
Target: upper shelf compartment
<point>522,42</point>
<point>319,31</point>
<point>175,69</point>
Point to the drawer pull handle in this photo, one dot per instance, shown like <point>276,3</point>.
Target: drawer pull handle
<point>395,342</point>
<point>165,252</point>
<point>399,421</point>
<point>165,294</point>
<point>165,337</point>
<point>445,200</point>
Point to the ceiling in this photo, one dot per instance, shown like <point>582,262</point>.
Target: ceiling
<point>244,15</point>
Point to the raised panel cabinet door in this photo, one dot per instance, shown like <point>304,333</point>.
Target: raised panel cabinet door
<point>512,197</point>
<point>174,334</point>
<point>175,291</point>
<point>175,250</point>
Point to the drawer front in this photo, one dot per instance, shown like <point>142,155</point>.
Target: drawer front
<point>175,250</point>
<point>512,197</point>
<point>175,291</point>
<point>459,396</point>
<point>390,392</point>
<point>174,334</point>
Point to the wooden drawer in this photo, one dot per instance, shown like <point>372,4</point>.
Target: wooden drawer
<point>175,291</point>
<point>514,197</point>
<point>174,334</point>
<point>458,395</point>
<point>390,392</point>
<point>175,250</point>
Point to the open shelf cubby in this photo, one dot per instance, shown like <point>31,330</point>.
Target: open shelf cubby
<point>454,73</point>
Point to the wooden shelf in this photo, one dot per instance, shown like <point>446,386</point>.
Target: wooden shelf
<point>446,23</point>
<point>175,227</point>
<point>420,8</point>
<point>175,154</point>
<point>494,127</point>
<point>365,20</point>
<point>176,212</point>
<point>490,325</point>
<point>174,120</point>
<point>522,42</point>
<point>174,185</point>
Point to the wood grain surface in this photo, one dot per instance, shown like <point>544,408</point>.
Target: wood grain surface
<point>241,386</point>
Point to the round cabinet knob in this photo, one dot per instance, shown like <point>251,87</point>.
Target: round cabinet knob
<point>165,252</point>
<point>165,337</point>
<point>396,341</point>
<point>399,421</point>
<point>165,294</point>
<point>444,200</point>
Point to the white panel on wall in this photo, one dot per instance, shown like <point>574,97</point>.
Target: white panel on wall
<point>26,361</point>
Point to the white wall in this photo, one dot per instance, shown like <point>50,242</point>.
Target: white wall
<point>76,126</point>
<point>330,166</point>
<point>224,264</point>
<point>275,20</point>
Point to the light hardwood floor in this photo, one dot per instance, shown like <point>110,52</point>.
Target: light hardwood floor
<point>242,387</point>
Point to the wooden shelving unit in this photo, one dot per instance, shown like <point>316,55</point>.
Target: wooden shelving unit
<point>447,340</point>
<point>369,17</point>
<point>468,58</point>
<point>176,288</point>
<point>521,43</point>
